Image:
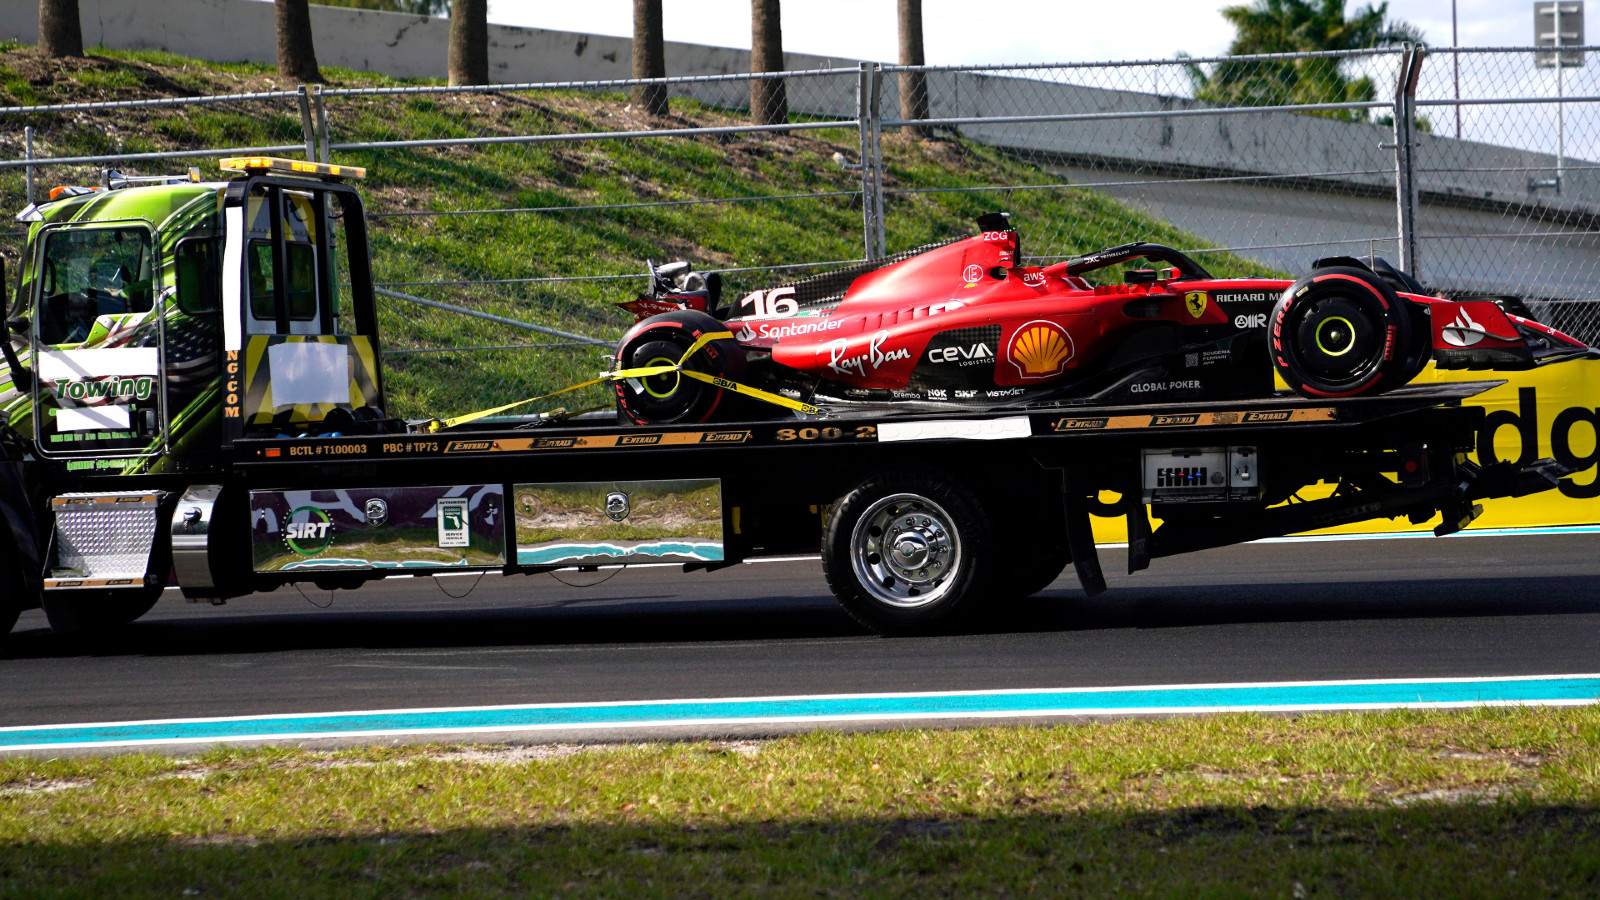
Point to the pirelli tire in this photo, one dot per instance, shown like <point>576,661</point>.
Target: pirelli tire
<point>906,553</point>
<point>1342,332</point>
<point>674,398</point>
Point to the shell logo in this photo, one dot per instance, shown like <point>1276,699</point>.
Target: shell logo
<point>1040,349</point>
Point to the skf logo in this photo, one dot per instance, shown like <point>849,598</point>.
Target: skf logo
<point>1040,350</point>
<point>1195,303</point>
<point>310,537</point>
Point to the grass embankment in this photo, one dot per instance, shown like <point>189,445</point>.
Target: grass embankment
<point>1502,803</point>
<point>548,244</point>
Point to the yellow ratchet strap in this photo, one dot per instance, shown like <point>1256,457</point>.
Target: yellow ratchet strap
<point>646,372</point>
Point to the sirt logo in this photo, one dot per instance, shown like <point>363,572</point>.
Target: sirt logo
<point>1463,332</point>
<point>857,365</point>
<point>973,353</point>
<point>310,537</point>
<point>1253,320</point>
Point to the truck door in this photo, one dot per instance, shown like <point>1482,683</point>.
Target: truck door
<point>300,334</point>
<point>98,398</point>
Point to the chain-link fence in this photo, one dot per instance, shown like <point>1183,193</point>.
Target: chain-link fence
<point>507,220</point>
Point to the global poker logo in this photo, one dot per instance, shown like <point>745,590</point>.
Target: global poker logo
<point>311,537</point>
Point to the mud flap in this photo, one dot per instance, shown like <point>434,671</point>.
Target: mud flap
<point>1080,536</point>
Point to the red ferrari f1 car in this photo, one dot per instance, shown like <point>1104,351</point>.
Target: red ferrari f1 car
<point>965,324</point>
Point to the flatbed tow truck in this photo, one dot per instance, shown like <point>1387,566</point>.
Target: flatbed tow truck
<point>196,397</point>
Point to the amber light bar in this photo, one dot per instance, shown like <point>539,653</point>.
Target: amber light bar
<point>276,166</point>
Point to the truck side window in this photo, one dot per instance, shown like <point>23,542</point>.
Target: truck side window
<point>88,273</point>
<point>199,288</point>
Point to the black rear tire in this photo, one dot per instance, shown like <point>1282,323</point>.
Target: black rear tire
<point>905,553</point>
<point>674,398</point>
<point>1341,332</point>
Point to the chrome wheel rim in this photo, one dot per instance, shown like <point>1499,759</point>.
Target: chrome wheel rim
<point>904,551</point>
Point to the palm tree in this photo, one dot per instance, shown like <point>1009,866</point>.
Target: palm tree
<point>769,105</point>
<point>1299,26</point>
<point>469,42</point>
<point>60,31</point>
<point>649,56</point>
<point>297,58</point>
<point>913,85</point>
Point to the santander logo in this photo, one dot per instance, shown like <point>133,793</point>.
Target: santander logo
<point>1463,332</point>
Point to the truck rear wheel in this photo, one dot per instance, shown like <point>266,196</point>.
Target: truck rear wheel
<point>903,553</point>
<point>97,612</point>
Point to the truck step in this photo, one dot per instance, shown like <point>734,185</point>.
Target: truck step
<point>103,540</point>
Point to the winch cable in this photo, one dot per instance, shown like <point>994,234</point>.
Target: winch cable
<point>438,425</point>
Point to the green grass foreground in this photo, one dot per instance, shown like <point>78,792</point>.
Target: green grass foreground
<point>1502,803</point>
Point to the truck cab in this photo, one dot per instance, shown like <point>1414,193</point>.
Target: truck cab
<point>156,321</point>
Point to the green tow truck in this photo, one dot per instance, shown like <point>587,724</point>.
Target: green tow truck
<point>194,399</point>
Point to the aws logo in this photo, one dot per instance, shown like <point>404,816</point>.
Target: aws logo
<point>1526,423</point>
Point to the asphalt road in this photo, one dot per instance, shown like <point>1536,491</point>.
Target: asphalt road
<point>1466,606</point>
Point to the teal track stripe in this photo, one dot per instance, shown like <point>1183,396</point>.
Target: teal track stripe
<point>1288,696</point>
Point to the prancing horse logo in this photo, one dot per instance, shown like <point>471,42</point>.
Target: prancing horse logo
<point>617,505</point>
<point>1195,302</point>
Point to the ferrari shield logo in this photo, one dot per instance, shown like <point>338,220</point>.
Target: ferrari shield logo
<point>1195,302</point>
<point>617,506</point>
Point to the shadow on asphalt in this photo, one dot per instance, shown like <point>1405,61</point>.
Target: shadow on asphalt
<point>670,618</point>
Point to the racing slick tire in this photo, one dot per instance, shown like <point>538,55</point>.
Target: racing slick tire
<point>903,553</point>
<point>1341,332</point>
<point>673,398</point>
<point>91,613</point>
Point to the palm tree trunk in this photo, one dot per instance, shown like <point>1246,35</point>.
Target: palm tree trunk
<point>769,105</point>
<point>469,42</point>
<point>649,57</point>
<point>913,85</point>
<point>60,32</point>
<point>297,58</point>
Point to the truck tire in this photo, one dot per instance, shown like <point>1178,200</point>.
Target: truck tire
<point>903,553</point>
<point>1030,576</point>
<point>1341,332</point>
<point>97,612</point>
<point>673,398</point>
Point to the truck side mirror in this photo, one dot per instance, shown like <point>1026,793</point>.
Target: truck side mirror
<point>20,376</point>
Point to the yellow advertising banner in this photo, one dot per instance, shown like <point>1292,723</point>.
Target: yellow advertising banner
<point>1553,411</point>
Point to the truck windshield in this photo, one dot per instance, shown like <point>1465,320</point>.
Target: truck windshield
<point>88,273</point>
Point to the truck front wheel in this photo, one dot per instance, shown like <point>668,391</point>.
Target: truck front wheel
<point>903,553</point>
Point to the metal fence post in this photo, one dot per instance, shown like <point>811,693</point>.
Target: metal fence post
<point>322,122</point>
<point>867,90</point>
<point>875,119</point>
<point>27,145</point>
<point>1405,158</point>
<point>306,124</point>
